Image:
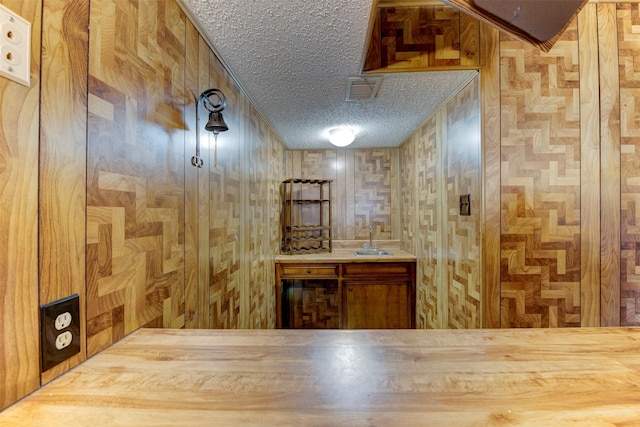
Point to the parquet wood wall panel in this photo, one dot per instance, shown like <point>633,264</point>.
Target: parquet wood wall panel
<point>540,237</point>
<point>373,193</point>
<point>426,37</point>
<point>135,188</point>
<point>62,171</point>
<point>202,193</point>
<point>408,212</point>
<point>462,172</point>
<point>428,189</point>
<point>192,236</point>
<point>19,330</point>
<point>448,161</point>
<point>224,204</point>
<point>276,174</point>
<point>365,188</point>
<point>152,237</point>
<point>628,18</point>
<point>322,164</point>
<point>259,216</point>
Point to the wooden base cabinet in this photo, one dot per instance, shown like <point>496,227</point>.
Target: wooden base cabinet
<point>378,295</point>
<point>373,305</point>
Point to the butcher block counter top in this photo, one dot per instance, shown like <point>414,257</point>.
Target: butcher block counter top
<point>536,377</point>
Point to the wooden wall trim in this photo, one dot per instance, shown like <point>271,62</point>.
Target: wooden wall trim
<point>590,167</point>
<point>490,99</point>
<point>610,165</point>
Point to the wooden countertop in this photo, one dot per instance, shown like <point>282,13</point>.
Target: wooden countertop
<point>343,252</point>
<point>531,377</point>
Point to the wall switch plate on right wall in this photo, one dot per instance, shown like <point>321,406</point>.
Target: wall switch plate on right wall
<point>465,205</point>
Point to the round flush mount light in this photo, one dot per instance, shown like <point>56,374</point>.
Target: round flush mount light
<point>341,137</point>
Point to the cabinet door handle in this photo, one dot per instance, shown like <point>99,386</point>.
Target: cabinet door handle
<point>350,289</point>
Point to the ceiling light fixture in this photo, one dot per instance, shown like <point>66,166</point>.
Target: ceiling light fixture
<point>341,137</point>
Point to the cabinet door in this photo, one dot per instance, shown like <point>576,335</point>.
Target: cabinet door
<point>371,305</point>
<point>310,304</point>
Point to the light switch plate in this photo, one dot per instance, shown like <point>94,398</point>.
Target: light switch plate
<point>15,47</point>
<point>465,205</point>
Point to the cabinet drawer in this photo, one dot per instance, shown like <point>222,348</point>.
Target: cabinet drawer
<point>398,270</point>
<point>325,270</point>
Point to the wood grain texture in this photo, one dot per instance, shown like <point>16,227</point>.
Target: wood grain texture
<point>203,182</point>
<point>63,159</point>
<point>261,257</point>
<point>490,95</point>
<point>627,18</point>
<point>583,376</point>
<point>540,155</point>
<point>225,201</point>
<point>590,168</point>
<point>191,217</point>
<point>421,37</point>
<point>430,247</point>
<point>135,189</point>
<point>609,167</point>
<point>462,175</point>
<point>367,187</point>
<point>19,328</point>
<point>374,184</point>
<point>446,156</point>
<point>408,206</point>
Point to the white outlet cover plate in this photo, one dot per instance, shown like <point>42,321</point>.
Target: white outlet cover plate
<point>15,47</point>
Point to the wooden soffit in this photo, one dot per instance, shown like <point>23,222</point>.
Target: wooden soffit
<point>539,22</point>
<point>420,35</point>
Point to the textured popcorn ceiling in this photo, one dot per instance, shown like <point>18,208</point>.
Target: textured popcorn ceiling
<point>293,58</point>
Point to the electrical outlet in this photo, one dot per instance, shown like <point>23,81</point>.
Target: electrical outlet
<point>15,46</point>
<point>63,321</point>
<point>64,340</point>
<point>59,330</point>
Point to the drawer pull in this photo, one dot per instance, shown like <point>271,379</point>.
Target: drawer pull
<point>309,270</point>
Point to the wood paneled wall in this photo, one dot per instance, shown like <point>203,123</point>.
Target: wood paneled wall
<point>136,168</point>
<point>166,244</point>
<point>540,184</point>
<point>624,139</point>
<point>442,161</point>
<point>171,245</point>
<point>19,121</point>
<point>567,170</point>
<point>63,154</point>
<point>365,189</point>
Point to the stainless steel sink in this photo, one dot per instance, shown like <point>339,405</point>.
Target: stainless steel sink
<point>376,252</point>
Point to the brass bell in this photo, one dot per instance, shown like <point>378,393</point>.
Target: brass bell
<point>216,123</point>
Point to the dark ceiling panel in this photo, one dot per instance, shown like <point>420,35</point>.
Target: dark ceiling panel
<point>541,19</point>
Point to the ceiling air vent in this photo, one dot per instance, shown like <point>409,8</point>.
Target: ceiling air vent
<point>362,88</point>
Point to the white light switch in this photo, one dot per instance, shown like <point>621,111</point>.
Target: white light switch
<point>15,46</point>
